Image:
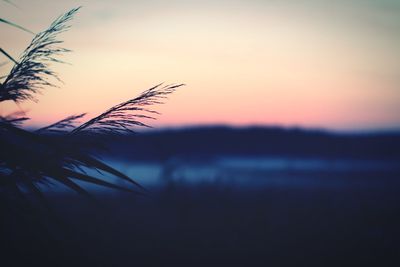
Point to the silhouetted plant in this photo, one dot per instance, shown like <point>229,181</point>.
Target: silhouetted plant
<point>60,152</point>
<point>32,73</point>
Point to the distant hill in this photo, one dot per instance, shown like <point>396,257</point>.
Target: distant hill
<point>208,142</point>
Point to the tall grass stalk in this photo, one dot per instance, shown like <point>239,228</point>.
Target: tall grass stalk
<point>57,152</point>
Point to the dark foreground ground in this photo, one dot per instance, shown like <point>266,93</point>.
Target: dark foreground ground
<point>214,225</point>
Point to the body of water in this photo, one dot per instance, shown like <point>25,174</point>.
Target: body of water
<point>255,172</point>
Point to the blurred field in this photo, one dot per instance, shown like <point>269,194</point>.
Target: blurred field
<point>337,218</point>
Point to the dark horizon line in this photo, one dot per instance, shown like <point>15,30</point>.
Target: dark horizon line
<point>161,128</point>
<point>372,130</point>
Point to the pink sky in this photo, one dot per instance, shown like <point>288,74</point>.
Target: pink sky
<point>292,63</point>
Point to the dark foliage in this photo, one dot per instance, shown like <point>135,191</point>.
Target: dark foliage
<point>31,158</point>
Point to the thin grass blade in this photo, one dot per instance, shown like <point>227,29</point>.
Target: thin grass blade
<point>16,26</point>
<point>8,56</point>
<point>92,180</point>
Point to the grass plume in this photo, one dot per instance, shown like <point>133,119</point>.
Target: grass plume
<point>29,158</point>
<point>61,126</point>
<point>32,72</point>
<point>124,116</point>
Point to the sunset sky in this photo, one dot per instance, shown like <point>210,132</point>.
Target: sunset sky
<point>307,63</point>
